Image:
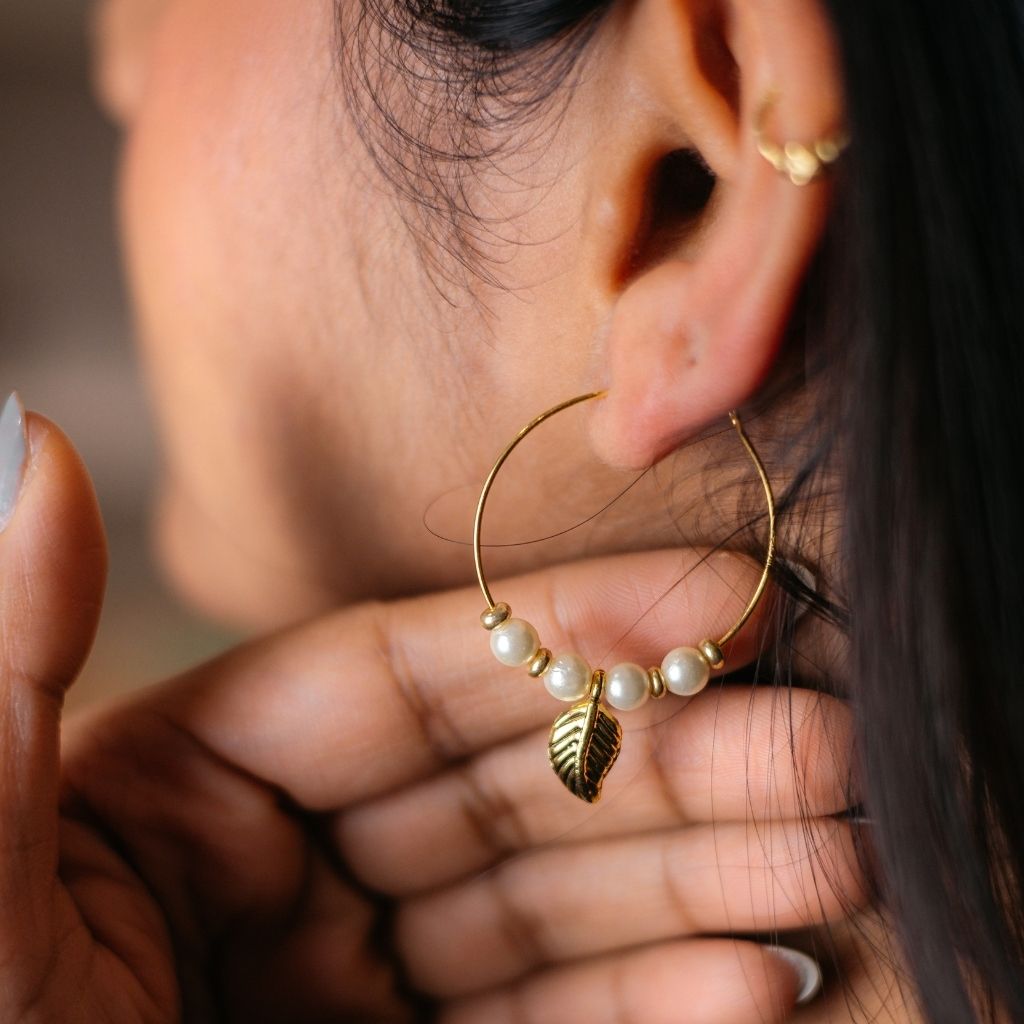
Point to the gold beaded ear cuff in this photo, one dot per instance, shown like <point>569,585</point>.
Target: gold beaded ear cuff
<point>802,163</point>
<point>586,739</point>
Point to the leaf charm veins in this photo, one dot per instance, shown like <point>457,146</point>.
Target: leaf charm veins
<point>584,743</point>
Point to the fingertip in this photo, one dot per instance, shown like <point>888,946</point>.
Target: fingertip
<point>768,980</point>
<point>62,507</point>
<point>53,561</point>
<point>804,972</point>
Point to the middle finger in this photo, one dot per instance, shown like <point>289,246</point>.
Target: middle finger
<point>566,903</point>
<point>732,753</point>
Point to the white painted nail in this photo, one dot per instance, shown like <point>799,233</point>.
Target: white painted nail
<point>807,971</point>
<point>13,448</point>
<point>807,578</point>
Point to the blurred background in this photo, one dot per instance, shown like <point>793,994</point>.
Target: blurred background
<point>65,336</point>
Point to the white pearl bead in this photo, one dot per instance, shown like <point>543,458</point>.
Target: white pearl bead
<point>686,671</point>
<point>514,642</point>
<point>567,677</point>
<point>626,686</point>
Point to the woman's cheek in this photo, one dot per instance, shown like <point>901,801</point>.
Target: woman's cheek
<point>234,231</point>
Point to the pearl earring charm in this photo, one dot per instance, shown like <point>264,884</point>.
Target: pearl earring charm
<point>514,641</point>
<point>585,740</point>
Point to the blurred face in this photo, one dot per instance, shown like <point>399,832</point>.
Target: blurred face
<point>331,385</point>
<point>318,395</point>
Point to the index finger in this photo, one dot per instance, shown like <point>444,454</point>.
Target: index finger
<point>378,696</point>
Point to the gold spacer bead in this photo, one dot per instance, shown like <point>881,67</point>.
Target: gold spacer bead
<point>712,653</point>
<point>539,662</point>
<point>495,616</point>
<point>656,683</point>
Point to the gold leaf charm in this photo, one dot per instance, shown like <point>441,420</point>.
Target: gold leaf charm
<point>584,743</point>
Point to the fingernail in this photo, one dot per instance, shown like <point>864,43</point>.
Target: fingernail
<point>13,448</point>
<point>807,971</point>
<point>807,578</point>
<point>855,814</point>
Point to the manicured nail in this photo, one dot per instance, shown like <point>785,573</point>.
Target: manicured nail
<point>807,971</point>
<point>855,814</point>
<point>807,578</point>
<point>13,448</point>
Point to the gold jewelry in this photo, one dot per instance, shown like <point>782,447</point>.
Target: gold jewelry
<point>586,739</point>
<point>803,163</point>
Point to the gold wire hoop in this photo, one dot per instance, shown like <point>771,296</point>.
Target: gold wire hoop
<point>585,741</point>
<point>546,415</point>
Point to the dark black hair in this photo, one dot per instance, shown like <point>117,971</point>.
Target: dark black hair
<point>435,87</point>
<point>927,345</point>
<point>913,328</point>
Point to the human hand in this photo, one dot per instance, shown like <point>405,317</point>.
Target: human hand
<point>354,819</point>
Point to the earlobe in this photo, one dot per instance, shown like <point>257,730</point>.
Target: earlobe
<point>691,338</point>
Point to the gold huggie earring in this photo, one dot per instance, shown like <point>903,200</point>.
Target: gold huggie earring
<point>802,163</point>
<point>586,739</point>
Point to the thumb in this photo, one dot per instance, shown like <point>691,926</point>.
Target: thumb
<point>53,564</point>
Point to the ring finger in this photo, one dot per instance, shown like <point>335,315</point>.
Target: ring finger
<point>732,753</point>
<point>568,902</point>
<point>718,981</point>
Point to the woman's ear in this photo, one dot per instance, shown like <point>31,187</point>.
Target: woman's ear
<point>700,297</point>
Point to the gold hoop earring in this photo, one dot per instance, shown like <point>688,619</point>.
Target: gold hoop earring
<point>585,741</point>
<point>801,162</point>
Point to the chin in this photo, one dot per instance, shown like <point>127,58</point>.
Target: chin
<point>220,581</point>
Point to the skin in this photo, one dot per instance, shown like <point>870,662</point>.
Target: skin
<point>232,845</point>
<point>270,460</point>
<point>347,818</point>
